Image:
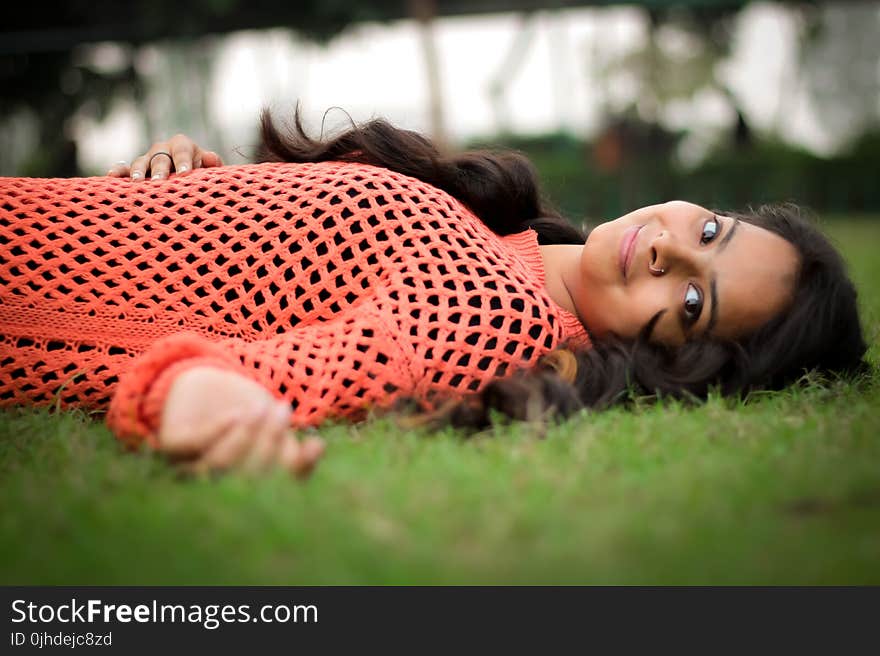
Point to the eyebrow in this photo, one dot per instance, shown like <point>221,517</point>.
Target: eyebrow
<point>726,238</point>
<point>713,281</point>
<point>713,312</point>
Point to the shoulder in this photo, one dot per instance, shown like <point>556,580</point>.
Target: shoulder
<point>353,172</point>
<point>347,180</point>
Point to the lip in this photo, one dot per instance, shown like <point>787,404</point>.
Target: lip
<point>627,248</point>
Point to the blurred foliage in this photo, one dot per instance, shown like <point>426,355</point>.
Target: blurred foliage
<point>32,29</point>
<point>54,87</point>
<point>838,62</point>
<point>729,178</point>
<point>47,81</point>
<point>679,58</point>
<point>632,162</point>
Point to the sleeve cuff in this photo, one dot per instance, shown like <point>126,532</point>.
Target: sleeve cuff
<point>136,408</point>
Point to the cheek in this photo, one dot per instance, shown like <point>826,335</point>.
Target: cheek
<point>750,307</point>
<point>639,307</point>
<point>610,310</point>
<point>599,260</point>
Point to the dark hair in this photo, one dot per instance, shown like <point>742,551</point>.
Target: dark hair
<point>501,188</point>
<point>820,330</point>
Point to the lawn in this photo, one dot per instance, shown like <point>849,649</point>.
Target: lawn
<point>783,489</point>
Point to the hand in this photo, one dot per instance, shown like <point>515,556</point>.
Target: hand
<point>182,155</point>
<point>217,419</point>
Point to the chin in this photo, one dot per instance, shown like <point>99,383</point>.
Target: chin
<point>600,264</point>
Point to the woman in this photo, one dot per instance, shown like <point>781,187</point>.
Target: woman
<point>221,307</point>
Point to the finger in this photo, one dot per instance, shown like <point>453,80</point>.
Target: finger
<point>139,168</point>
<point>160,164</point>
<point>210,158</point>
<point>266,445</point>
<point>119,170</point>
<point>182,150</point>
<point>189,441</point>
<point>300,458</point>
<point>232,447</point>
<point>206,159</point>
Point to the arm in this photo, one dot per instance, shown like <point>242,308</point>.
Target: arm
<point>323,369</point>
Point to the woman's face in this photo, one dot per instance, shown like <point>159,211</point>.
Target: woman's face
<point>706,274</point>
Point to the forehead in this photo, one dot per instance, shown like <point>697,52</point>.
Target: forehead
<point>755,277</point>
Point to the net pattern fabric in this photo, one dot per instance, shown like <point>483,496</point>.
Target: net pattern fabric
<point>338,286</point>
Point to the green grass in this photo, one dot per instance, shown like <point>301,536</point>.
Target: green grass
<point>784,489</point>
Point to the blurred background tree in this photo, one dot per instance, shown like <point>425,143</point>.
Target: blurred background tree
<point>838,59</point>
<point>50,78</point>
<point>42,93</point>
<point>73,64</point>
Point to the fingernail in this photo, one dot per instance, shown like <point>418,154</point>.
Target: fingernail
<point>183,168</point>
<point>137,175</point>
<point>157,176</point>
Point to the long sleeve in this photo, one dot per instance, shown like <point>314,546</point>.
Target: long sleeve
<point>335,285</point>
<point>335,368</point>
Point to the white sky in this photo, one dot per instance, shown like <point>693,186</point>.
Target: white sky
<point>378,70</point>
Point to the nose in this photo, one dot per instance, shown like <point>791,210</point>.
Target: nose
<point>670,254</point>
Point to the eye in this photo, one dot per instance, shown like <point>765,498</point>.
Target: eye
<point>693,304</point>
<point>710,231</point>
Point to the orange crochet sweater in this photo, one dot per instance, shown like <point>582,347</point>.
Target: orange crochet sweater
<point>337,286</point>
